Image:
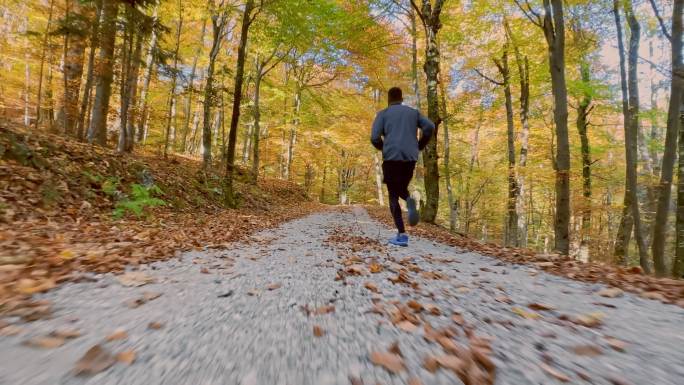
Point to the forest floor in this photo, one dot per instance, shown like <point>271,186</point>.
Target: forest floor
<point>286,291</point>
<point>322,300</point>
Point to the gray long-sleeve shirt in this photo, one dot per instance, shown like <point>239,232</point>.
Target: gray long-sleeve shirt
<point>395,132</point>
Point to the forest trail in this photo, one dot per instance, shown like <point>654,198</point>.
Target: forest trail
<point>271,311</point>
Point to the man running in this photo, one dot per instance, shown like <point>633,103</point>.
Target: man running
<point>395,133</point>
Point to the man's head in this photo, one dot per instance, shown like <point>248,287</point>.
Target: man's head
<point>394,95</point>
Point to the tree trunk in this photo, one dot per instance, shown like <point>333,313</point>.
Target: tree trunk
<point>453,207</point>
<point>170,137</point>
<point>126,66</point>
<point>191,89</point>
<point>247,19</point>
<point>378,178</point>
<point>132,88</point>
<point>87,89</point>
<point>631,114</point>
<point>97,132</point>
<point>73,72</point>
<point>523,71</point>
<point>150,64</point>
<point>45,48</point>
<point>554,32</point>
<point>583,111</point>
<point>675,128</point>
<point>256,134</point>
<point>430,16</point>
<point>218,24</point>
<point>293,133</point>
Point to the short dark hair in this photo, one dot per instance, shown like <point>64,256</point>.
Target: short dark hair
<point>394,95</point>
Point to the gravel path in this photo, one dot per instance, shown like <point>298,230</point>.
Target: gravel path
<point>238,316</point>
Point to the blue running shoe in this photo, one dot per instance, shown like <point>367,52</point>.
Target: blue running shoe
<point>399,240</point>
<point>413,215</point>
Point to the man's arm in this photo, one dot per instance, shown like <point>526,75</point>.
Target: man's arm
<point>427,128</point>
<point>377,131</point>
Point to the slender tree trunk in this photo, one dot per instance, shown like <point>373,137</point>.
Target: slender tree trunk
<point>293,133</point>
<point>218,24</point>
<point>675,128</point>
<point>97,132</point>
<point>126,65</point>
<point>583,111</point>
<point>631,138</point>
<point>256,134</point>
<point>191,88</point>
<point>378,178</point>
<point>554,31</point>
<point>170,137</point>
<point>87,89</point>
<point>132,94</point>
<point>453,207</point>
<point>46,41</point>
<point>247,19</point>
<point>73,72</point>
<point>429,15</point>
<point>150,65</point>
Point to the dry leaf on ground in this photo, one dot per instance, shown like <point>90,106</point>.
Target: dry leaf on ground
<point>274,286</point>
<point>616,344</point>
<point>554,373</point>
<point>44,342</point>
<point>127,357</point>
<point>65,333</point>
<point>324,310</point>
<point>390,361</point>
<point>155,325</point>
<point>587,350</point>
<point>95,360</point>
<point>119,334</point>
<point>407,326</point>
<point>318,331</point>
<point>610,292</point>
<point>134,279</point>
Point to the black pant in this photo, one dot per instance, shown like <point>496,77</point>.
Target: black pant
<point>397,175</point>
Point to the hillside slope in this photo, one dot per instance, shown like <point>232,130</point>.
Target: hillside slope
<point>68,207</point>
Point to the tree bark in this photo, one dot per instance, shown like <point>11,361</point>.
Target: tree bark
<point>453,207</point>
<point>191,88</point>
<point>87,89</point>
<point>73,72</point>
<point>524,74</point>
<point>97,132</point>
<point>554,32</point>
<point>430,17</point>
<point>256,134</point>
<point>583,110</point>
<point>46,38</point>
<point>170,137</point>
<point>675,128</point>
<point>218,22</point>
<point>150,64</point>
<point>247,19</point>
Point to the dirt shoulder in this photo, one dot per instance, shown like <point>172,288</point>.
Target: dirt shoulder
<point>666,290</point>
<point>68,208</point>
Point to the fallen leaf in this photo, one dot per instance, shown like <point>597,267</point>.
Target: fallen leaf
<point>525,314</point>
<point>415,305</point>
<point>463,290</point>
<point>654,295</point>
<point>375,267</point>
<point>127,357</point>
<point>46,342</point>
<point>414,381</point>
<point>10,330</point>
<point>318,331</point>
<point>616,344</point>
<point>610,292</point>
<point>134,279</point>
<point>503,299</point>
<point>450,362</point>
<point>540,307</point>
<point>407,326</point>
<point>204,270</point>
<point>458,319</point>
<point>119,334</point>
<point>449,345</point>
<point>554,373</point>
<point>392,362</point>
<point>65,333</point>
<point>155,325</point>
<point>394,348</point>
<point>274,286</point>
<point>324,310</point>
<point>370,286</point>
<point>589,320</point>
<point>430,364</point>
<point>94,361</point>
<point>587,350</point>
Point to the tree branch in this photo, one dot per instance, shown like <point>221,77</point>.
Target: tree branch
<point>498,83</point>
<point>660,20</point>
<point>530,13</point>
